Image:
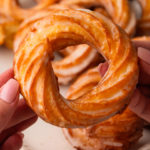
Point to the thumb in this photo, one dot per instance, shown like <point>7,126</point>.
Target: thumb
<point>9,97</point>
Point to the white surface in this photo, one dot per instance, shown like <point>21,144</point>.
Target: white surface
<point>43,136</point>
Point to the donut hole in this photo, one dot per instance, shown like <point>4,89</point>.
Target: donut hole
<point>27,3</point>
<point>76,51</point>
<point>72,61</point>
<point>73,58</point>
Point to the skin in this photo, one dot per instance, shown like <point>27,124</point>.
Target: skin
<point>140,101</point>
<point>15,115</point>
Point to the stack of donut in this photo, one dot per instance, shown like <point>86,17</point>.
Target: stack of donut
<point>85,33</point>
<point>12,14</point>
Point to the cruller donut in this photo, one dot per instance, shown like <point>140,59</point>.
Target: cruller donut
<point>117,133</point>
<point>119,10</point>
<point>14,15</point>
<point>33,69</point>
<point>13,9</point>
<point>80,58</point>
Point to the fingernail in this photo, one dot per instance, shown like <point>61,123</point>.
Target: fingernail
<point>21,135</point>
<point>9,91</point>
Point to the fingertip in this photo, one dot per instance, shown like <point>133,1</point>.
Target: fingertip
<point>103,67</point>
<point>5,76</point>
<point>9,91</point>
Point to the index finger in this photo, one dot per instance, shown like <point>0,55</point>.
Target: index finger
<point>5,76</point>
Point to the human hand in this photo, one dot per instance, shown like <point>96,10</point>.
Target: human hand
<point>140,101</point>
<point>15,115</point>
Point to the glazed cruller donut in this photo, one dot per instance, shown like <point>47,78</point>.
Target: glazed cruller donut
<point>68,68</point>
<point>117,133</point>
<point>13,9</point>
<point>119,11</point>
<point>33,69</point>
<point>11,16</point>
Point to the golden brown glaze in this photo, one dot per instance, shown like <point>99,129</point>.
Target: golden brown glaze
<point>61,28</point>
<point>119,10</point>
<point>116,133</point>
<point>67,51</point>
<point>79,57</point>
<point>144,22</point>
<point>124,18</point>
<point>84,83</point>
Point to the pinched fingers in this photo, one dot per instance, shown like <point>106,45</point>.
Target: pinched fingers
<point>9,97</point>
